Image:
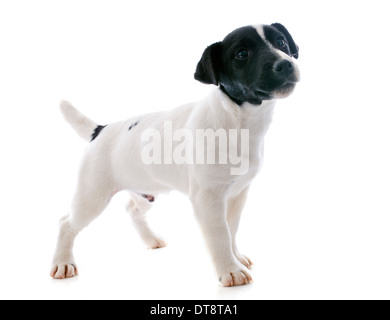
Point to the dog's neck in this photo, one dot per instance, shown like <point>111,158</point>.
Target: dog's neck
<point>256,118</point>
<point>236,97</point>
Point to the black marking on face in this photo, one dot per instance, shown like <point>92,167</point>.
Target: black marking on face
<point>249,68</point>
<point>97,131</point>
<point>208,67</point>
<point>293,49</point>
<point>133,125</point>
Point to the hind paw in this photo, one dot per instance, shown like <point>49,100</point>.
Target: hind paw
<point>155,242</point>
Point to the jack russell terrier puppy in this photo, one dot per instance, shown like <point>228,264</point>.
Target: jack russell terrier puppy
<point>210,150</point>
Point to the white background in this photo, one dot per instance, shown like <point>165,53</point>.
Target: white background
<point>317,220</point>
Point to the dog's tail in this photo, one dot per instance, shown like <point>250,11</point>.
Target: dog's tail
<point>84,126</point>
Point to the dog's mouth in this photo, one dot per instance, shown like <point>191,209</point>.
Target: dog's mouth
<point>277,87</point>
<point>263,94</point>
<point>285,90</point>
<point>281,91</point>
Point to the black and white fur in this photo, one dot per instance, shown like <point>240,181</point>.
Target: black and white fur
<point>249,69</point>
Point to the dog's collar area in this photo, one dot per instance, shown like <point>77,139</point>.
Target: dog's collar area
<point>238,101</point>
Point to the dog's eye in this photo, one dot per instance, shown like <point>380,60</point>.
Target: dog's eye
<point>281,43</point>
<point>242,54</point>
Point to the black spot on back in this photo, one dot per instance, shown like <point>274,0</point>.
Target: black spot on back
<point>97,131</point>
<point>133,125</point>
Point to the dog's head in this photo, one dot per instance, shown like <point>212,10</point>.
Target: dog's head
<point>252,64</point>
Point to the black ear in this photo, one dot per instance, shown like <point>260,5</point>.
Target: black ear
<point>207,70</point>
<point>294,49</point>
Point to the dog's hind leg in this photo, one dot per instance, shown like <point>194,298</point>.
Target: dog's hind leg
<point>92,196</point>
<point>137,208</point>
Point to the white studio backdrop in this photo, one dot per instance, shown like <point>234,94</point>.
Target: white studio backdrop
<point>317,220</point>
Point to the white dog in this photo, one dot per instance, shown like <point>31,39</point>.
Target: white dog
<point>250,68</point>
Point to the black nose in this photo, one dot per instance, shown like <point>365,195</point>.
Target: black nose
<point>283,68</point>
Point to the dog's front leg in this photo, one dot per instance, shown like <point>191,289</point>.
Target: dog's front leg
<point>234,210</point>
<point>210,210</point>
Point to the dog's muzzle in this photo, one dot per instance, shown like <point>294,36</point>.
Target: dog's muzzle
<point>285,69</point>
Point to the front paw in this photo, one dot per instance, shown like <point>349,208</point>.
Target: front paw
<point>237,277</point>
<point>63,271</point>
<point>244,260</point>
